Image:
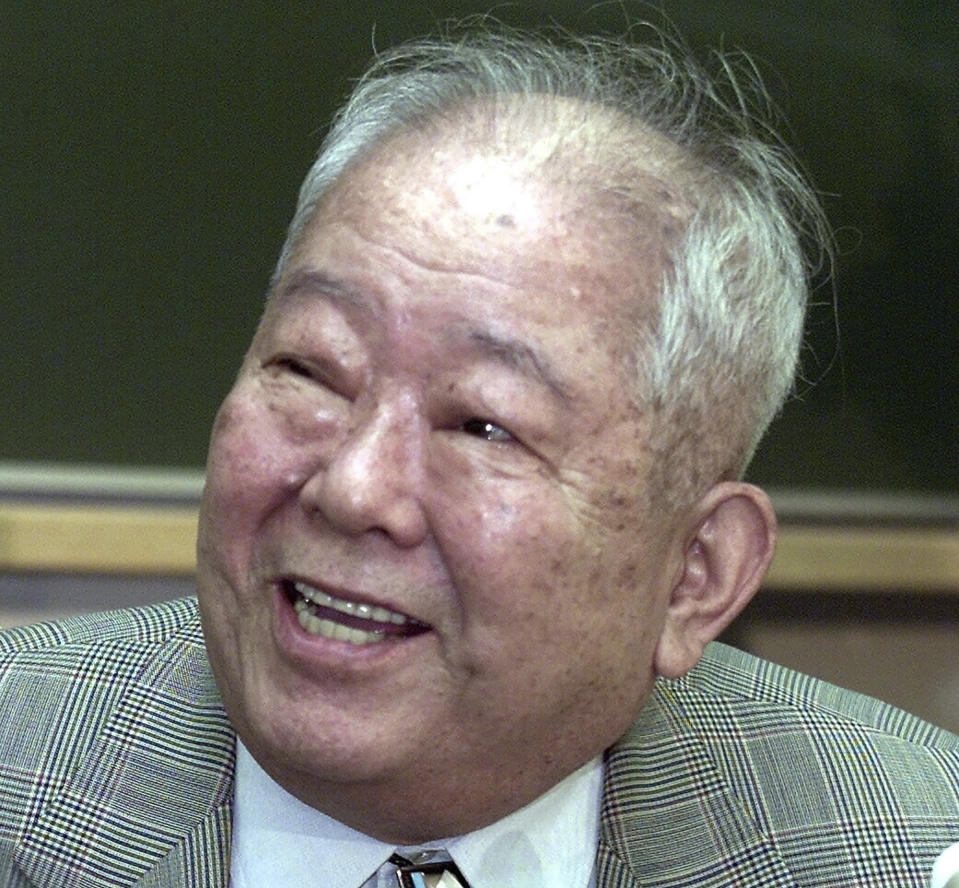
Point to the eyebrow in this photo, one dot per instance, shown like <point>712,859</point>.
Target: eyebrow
<point>506,350</point>
<point>309,281</point>
<point>519,356</point>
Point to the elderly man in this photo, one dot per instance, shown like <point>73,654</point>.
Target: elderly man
<point>472,516</point>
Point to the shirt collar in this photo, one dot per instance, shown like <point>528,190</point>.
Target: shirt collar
<point>278,839</point>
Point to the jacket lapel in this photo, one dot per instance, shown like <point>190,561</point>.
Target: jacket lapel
<point>612,868</point>
<point>201,858</point>
<point>669,816</point>
<point>151,803</point>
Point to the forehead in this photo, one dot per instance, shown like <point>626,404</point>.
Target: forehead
<point>507,210</point>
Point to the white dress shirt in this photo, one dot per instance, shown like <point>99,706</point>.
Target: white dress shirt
<point>278,840</point>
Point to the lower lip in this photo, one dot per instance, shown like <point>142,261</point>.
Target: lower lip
<point>313,651</point>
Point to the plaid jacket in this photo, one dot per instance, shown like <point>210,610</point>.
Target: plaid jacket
<point>116,769</point>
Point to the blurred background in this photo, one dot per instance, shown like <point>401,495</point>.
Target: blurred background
<point>151,154</point>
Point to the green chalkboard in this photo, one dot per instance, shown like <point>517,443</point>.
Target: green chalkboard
<point>151,153</point>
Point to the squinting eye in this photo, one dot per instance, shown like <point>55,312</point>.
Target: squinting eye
<point>293,366</point>
<point>485,429</point>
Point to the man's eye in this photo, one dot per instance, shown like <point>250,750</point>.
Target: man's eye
<point>294,366</point>
<point>483,428</point>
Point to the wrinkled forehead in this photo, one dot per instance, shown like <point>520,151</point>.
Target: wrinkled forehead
<point>601,163</point>
<point>542,177</point>
<point>593,158</point>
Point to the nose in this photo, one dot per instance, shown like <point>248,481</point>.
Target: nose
<point>373,479</point>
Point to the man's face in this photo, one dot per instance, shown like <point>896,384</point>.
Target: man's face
<point>429,578</point>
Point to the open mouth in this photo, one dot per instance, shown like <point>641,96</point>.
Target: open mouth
<point>341,619</point>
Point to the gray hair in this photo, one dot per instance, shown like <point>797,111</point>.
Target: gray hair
<point>719,359</point>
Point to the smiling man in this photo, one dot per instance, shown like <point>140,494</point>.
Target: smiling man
<point>432,477</point>
<point>472,519</point>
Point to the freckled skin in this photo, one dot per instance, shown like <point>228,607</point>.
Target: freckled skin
<point>534,560</point>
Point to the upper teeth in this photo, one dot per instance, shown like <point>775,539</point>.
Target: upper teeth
<point>364,611</point>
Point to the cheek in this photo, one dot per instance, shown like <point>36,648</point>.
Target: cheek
<point>248,475</point>
<point>250,460</point>
<point>486,521</point>
<point>242,488</point>
<point>514,552</point>
<point>540,575</point>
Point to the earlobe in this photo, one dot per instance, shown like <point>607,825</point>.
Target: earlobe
<point>727,552</point>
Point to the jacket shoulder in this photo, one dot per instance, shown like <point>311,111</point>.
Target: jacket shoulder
<point>735,681</point>
<point>836,787</point>
<point>61,682</point>
<point>142,625</point>
<point>64,678</point>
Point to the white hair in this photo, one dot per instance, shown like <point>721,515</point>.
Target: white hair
<point>720,358</point>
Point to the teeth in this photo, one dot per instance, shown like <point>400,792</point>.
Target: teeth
<point>366,611</point>
<point>329,629</point>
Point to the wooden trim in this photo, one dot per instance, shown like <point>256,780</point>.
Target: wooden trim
<point>866,559</point>
<point>98,539</point>
<point>159,540</point>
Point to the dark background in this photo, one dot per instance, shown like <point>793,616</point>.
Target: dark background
<point>151,153</point>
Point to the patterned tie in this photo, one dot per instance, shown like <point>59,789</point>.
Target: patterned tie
<point>419,869</point>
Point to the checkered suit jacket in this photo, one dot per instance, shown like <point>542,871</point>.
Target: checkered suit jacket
<point>116,769</point>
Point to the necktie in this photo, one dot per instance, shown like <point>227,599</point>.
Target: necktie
<point>420,869</point>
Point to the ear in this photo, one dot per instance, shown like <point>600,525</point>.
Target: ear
<point>729,543</point>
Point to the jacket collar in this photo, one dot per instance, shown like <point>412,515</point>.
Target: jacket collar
<point>670,817</point>
<point>108,824</point>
